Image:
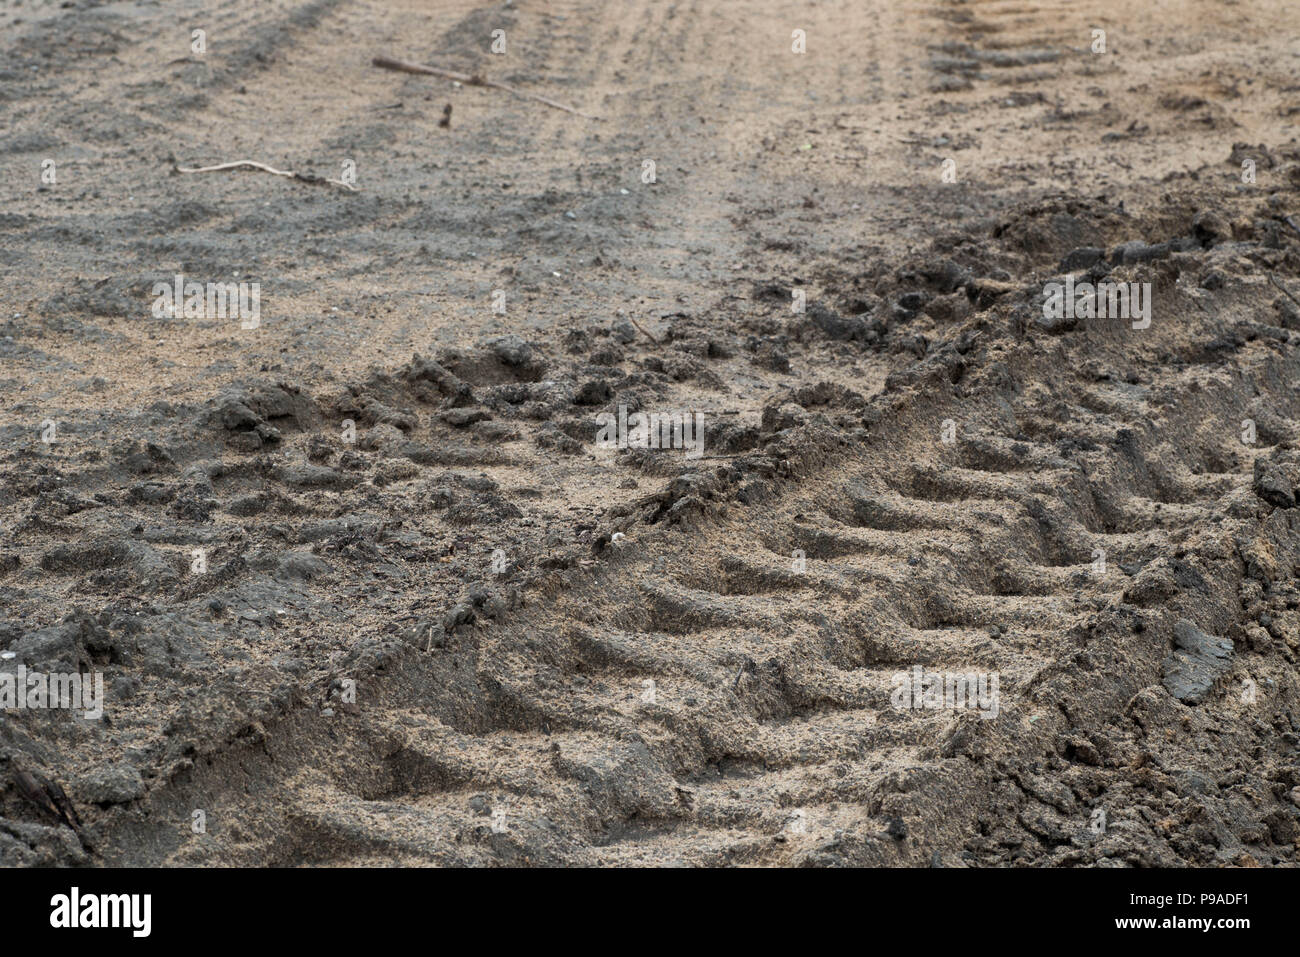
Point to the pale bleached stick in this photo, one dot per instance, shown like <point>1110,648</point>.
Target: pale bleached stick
<point>472,79</point>
<point>304,177</point>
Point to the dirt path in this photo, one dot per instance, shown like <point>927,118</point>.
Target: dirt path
<point>913,471</point>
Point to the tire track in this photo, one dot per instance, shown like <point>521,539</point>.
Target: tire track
<point>772,738</point>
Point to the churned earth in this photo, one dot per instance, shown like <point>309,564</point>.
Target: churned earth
<point>360,582</point>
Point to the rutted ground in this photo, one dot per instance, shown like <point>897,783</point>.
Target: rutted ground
<point>771,738</point>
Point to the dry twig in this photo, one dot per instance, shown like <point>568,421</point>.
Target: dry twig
<point>303,177</point>
<point>1283,288</point>
<point>471,79</point>
<point>644,332</point>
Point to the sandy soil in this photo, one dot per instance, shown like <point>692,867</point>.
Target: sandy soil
<point>434,642</point>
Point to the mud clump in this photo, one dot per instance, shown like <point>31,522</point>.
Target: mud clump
<point>1197,661</point>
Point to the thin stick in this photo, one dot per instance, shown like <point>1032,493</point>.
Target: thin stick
<point>644,332</point>
<point>304,177</point>
<point>403,66</point>
<point>1283,288</point>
